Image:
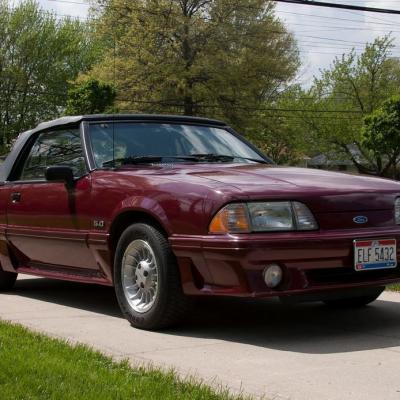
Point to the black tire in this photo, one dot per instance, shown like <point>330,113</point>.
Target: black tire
<point>355,302</point>
<point>170,304</point>
<point>7,280</point>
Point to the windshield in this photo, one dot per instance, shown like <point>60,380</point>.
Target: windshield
<point>168,142</point>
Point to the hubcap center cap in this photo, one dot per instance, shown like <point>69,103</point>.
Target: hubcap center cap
<point>143,274</point>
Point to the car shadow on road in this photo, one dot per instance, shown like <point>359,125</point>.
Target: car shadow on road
<point>94,298</point>
<point>305,328</point>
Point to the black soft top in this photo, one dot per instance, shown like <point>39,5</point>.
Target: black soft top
<point>64,121</point>
<point>6,167</point>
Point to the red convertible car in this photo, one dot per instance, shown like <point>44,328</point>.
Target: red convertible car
<point>165,208</point>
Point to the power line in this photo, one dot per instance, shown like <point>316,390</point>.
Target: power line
<point>305,46</point>
<point>331,39</point>
<point>270,31</point>
<point>341,6</point>
<point>164,103</point>
<point>307,2</point>
<point>374,17</point>
<point>71,2</point>
<point>272,109</point>
<point>333,18</point>
<point>327,27</point>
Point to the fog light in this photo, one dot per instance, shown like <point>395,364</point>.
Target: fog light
<point>273,275</point>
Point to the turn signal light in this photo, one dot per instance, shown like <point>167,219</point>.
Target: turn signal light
<point>233,218</point>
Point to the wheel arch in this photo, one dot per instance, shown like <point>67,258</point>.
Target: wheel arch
<point>125,219</point>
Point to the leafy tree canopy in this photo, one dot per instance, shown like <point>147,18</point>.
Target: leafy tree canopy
<point>381,136</point>
<point>90,97</point>
<point>218,58</point>
<point>277,132</point>
<point>336,104</point>
<point>39,54</point>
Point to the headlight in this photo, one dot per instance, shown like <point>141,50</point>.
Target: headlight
<point>273,216</point>
<point>397,211</point>
<point>264,217</point>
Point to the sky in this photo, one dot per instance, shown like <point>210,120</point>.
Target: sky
<point>322,33</point>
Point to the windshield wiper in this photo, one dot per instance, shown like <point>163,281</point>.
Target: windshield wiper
<point>132,160</point>
<point>257,160</point>
<point>225,157</point>
<point>212,157</point>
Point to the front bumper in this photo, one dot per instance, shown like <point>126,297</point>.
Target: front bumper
<point>312,261</point>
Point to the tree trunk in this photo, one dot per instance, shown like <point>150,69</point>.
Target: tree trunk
<point>188,105</point>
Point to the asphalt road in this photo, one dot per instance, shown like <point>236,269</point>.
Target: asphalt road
<point>261,347</point>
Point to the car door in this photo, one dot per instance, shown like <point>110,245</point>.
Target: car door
<point>47,223</point>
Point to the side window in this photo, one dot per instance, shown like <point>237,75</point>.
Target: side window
<point>54,148</point>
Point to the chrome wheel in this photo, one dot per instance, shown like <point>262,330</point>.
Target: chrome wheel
<point>147,279</point>
<point>139,276</point>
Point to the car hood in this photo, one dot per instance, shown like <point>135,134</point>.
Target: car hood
<point>256,177</point>
<point>321,190</point>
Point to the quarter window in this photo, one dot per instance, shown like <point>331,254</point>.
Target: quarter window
<point>62,147</point>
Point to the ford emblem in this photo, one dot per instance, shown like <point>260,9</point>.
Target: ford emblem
<point>360,219</point>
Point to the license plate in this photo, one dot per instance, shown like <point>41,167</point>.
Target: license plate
<point>375,254</point>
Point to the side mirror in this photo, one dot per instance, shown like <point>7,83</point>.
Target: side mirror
<point>61,173</point>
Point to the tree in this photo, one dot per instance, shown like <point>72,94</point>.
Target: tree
<point>218,58</point>
<point>277,133</point>
<point>39,54</point>
<point>337,103</point>
<point>90,97</point>
<point>362,82</point>
<point>381,137</point>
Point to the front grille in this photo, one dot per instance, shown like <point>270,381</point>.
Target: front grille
<point>327,276</point>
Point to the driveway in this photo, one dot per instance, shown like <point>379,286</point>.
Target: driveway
<point>261,347</point>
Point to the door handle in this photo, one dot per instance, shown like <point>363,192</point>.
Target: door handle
<point>16,197</point>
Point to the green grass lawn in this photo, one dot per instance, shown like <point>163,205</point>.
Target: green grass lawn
<point>34,366</point>
<point>394,288</point>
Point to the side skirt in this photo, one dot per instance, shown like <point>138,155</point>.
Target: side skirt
<point>65,274</point>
